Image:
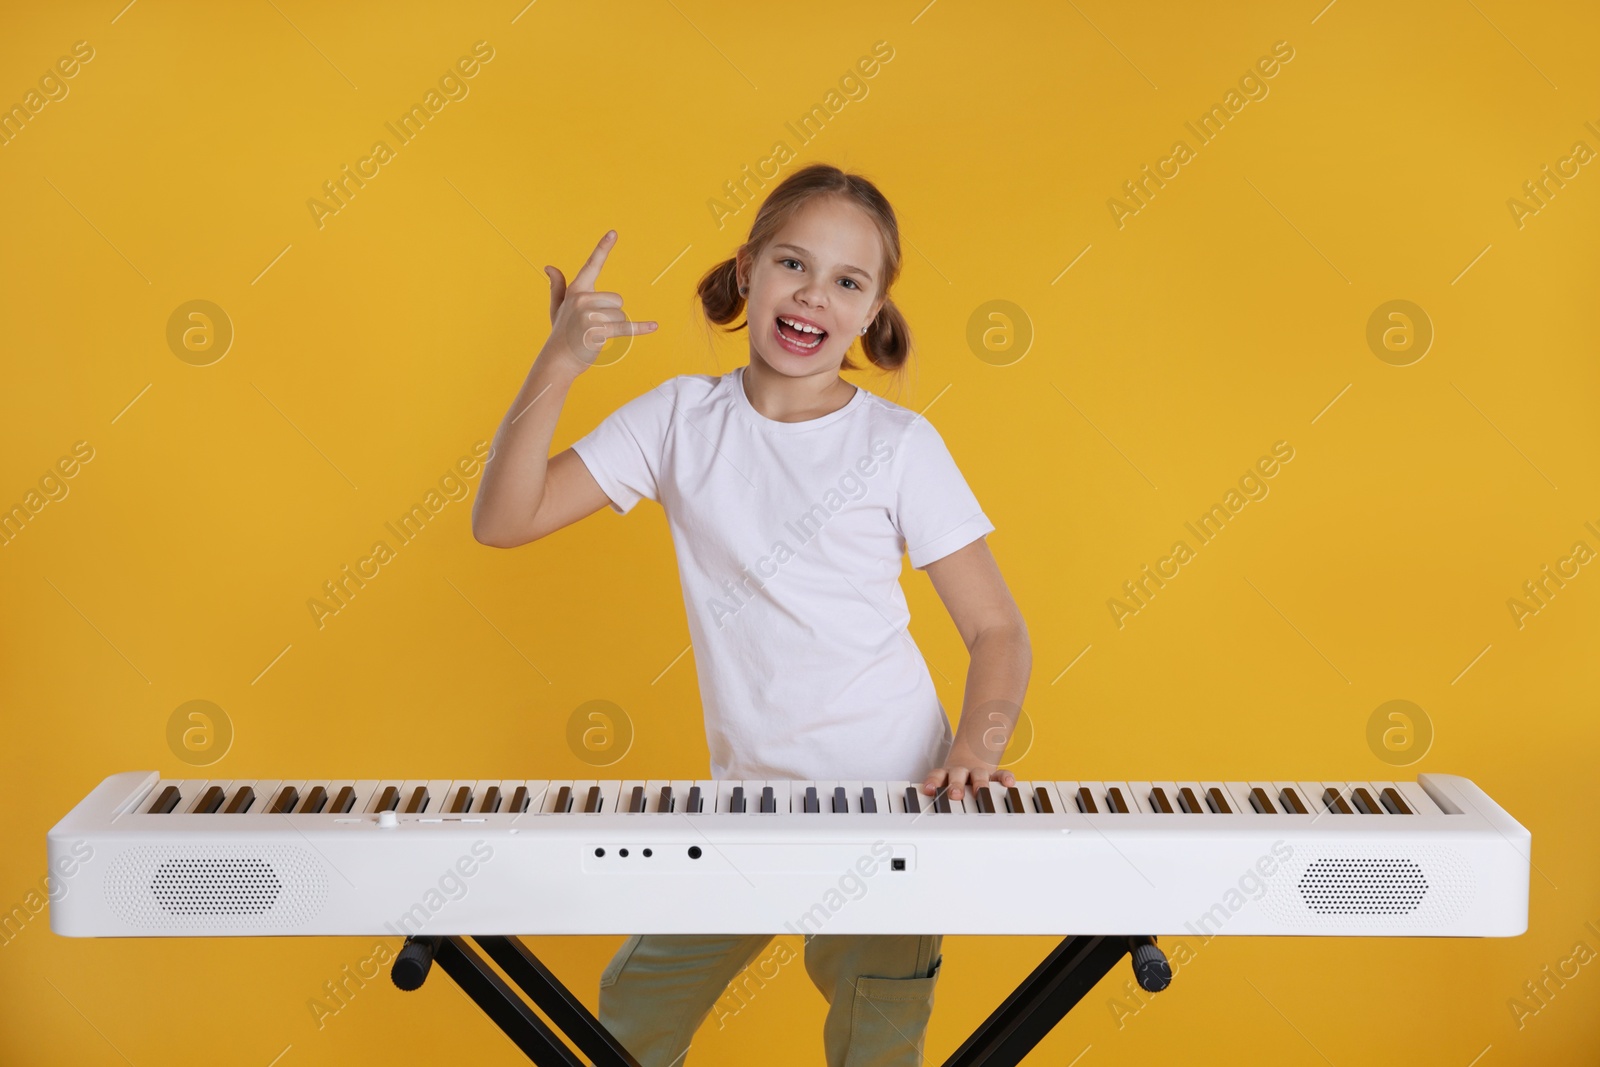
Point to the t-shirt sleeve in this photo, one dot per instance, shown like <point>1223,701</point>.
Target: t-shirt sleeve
<point>624,452</point>
<point>935,510</point>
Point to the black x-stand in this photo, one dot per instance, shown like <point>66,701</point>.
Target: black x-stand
<point>1029,1013</point>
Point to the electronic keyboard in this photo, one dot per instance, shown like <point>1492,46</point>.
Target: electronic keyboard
<point>144,855</point>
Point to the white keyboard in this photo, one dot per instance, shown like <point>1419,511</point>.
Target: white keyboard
<point>143,855</point>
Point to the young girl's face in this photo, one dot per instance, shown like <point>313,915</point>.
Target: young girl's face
<point>821,270</point>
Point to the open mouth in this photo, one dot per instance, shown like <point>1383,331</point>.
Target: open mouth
<point>797,337</point>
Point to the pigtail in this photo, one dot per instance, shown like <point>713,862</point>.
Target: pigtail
<point>887,342</point>
<point>718,292</point>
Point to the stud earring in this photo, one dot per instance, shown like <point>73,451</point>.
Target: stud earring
<point>741,290</point>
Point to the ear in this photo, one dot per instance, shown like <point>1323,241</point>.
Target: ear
<point>741,269</point>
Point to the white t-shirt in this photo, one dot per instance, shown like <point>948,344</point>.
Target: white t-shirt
<point>789,538</point>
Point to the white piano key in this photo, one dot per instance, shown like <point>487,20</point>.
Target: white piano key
<point>541,794</point>
<point>1418,798</point>
<point>780,796</point>
<point>1197,790</point>
<point>1169,789</point>
<point>1057,803</point>
<point>1399,787</point>
<point>680,794</point>
<point>446,800</point>
<point>1276,792</point>
<point>1344,794</point>
<point>725,788</point>
<point>192,800</point>
<point>552,796</point>
<point>1128,797</point>
<point>652,794</point>
<point>625,794</point>
<point>897,798</point>
<point>796,796</point>
<point>407,789</point>
<point>269,796</point>
<point>377,793</point>
<point>1238,794</point>
<point>1227,796</point>
<point>1272,797</point>
<point>1311,797</point>
<point>580,793</point>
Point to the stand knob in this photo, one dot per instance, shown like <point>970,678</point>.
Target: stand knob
<point>412,964</point>
<point>1150,967</point>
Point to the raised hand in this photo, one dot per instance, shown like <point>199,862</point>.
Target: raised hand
<point>583,320</point>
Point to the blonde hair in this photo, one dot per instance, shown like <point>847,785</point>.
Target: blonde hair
<point>887,342</point>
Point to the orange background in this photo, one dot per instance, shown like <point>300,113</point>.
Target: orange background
<point>1230,312</point>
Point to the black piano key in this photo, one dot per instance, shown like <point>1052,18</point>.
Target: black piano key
<point>1394,801</point>
<point>491,799</point>
<point>419,801</point>
<point>315,801</point>
<point>1261,802</point>
<point>1335,802</point>
<point>563,800</point>
<point>737,801</point>
<point>1291,802</point>
<point>811,800</point>
<point>166,801</point>
<point>1218,801</point>
<point>696,802</point>
<point>841,802</point>
<point>941,801</point>
<point>1014,801</point>
<point>389,799</point>
<point>593,801</point>
<point>343,803</point>
<point>1086,801</point>
<point>985,800</point>
<point>241,801</point>
<point>1041,801</point>
<point>1159,801</point>
<point>769,803</point>
<point>666,799</point>
<point>1365,802</point>
<point>285,802</point>
<point>1114,801</point>
<point>210,800</point>
<point>636,800</point>
<point>869,803</point>
<point>462,802</point>
<point>1188,802</point>
<point>519,800</point>
<point>913,800</point>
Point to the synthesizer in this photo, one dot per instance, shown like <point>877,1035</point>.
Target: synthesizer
<point>144,855</point>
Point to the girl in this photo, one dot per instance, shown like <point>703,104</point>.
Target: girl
<point>791,495</point>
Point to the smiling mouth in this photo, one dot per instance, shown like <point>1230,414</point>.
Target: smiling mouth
<point>797,337</point>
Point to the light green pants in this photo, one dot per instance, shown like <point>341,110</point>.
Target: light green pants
<point>659,988</point>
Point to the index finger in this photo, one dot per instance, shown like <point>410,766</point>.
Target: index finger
<point>589,273</point>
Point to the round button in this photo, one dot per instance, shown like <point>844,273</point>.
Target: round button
<point>388,820</point>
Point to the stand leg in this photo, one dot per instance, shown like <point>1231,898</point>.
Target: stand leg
<point>1034,1008</point>
<point>525,1029</point>
<point>566,1011</point>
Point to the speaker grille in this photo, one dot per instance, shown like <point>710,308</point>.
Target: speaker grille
<point>1363,886</point>
<point>216,887</point>
<point>1427,886</point>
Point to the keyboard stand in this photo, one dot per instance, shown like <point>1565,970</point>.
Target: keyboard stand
<point>1008,1034</point>
<point>510,1012</point>
<point>1053,989</point>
